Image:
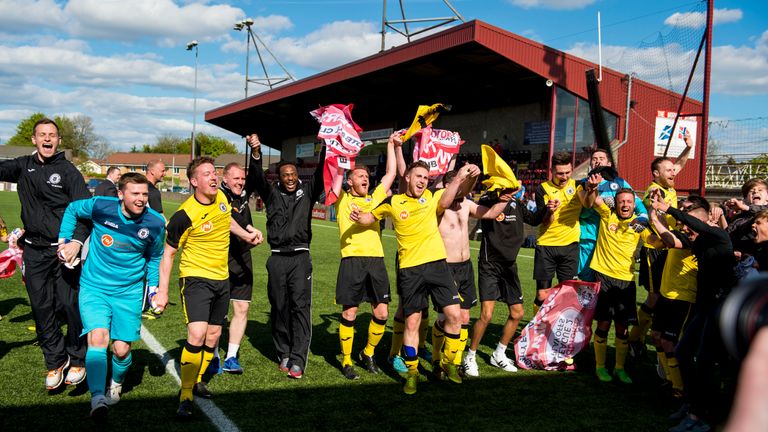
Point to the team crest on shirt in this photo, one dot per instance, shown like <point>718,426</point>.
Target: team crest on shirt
<point>207,226</point>
<point>143,233</point>
<point>404,214</point>
<point>223,207</point>
<point>422,200</point>
<point>500,217</point>
<point>55,178</point>
<point>368,199</point>
<point>107,240</point>
<point>613,227</point>
<point>614,186</point>
<point>299,193</point>
<point>569,191</point>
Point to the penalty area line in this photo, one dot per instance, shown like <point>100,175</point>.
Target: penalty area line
<point>208,407</point>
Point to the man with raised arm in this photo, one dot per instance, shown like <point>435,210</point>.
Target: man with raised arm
<point>423,270</point>
<point>362,274</point>
<point>289,206</point>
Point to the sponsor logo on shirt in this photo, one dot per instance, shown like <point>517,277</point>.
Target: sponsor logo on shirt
<point>613,227</point>
<point>500,217</point>
<point>107,240</point>
<point>207,226</point>
<point>404,214</point>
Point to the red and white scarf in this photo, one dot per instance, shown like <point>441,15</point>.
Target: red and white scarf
<point>436,147</point>
<point>342,139</point>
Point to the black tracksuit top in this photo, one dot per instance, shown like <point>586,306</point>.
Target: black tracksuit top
<point>45,190</point>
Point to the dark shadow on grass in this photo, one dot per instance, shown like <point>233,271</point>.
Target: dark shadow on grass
<point>7,305</point>
<point>6,347</point>
<point>259,334</point>
<point>542,402</point>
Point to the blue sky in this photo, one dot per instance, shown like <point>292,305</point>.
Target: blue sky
<point>124,63</point>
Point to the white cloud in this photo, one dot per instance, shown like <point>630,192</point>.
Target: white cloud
<point>736,70</point>
<point>26,15</point>
<point>552,4</point>
<point>141,19</point>
<point>698,19</point>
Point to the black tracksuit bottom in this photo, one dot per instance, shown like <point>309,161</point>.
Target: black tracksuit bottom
<point>289,287</point>
<point>53,291</point>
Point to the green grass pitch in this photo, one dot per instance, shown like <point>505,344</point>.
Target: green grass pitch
<point>323,400</point>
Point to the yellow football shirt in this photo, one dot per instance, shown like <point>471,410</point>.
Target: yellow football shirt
<point>355,239</point>
<point>670,197</point>
<point>202,233</point>
<point>415,221</point>
<point>616,245</point>
<point>564,228</point>
<point>678,282</point>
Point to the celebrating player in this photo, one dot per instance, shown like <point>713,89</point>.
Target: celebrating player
<point>362,274</point>
<point>126,244</point>
<point>200,227</point>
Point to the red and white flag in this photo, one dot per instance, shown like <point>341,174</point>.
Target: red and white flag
<point>561,328</point>
<point>342,139</point>
<point>436,147</point>
<point>9,260</point>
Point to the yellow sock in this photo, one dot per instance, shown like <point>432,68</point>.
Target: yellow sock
<point>622,347</point>
<point>397,337</point>
<point>346,337</point>
<point>207,356</point>
<point>644,318</point>
<point>191,359</point>
<point>463,344</point>
<point>375,333</point>
<point>662,358</point>
<point>451,346</point>
<point>423,327</point>
<point>600,345</point>
<point>674,373</point>
<point>437,341</point>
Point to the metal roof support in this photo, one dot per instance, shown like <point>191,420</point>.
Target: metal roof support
<point>394,24</point>
<point>256,40</point>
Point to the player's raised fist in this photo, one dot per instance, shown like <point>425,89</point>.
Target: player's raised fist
<point>253,141</point>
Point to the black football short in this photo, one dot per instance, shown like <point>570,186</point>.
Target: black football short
<point>562,261</point>
<point>616,301</point>
<point>670,316</point>
<point>499,281</point>
<point>651,267</point>
<point>429,279</point>
<point>204,300</point>
<point>362,279</point>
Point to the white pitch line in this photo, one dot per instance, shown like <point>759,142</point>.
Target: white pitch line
<point>315,224</point>
<point>208,407</point>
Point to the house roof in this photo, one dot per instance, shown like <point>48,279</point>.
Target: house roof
<point>12,152</point>
<point>127,158</point>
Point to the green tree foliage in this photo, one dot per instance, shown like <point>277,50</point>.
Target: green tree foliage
<point>762,159</point>
<point>24,131</point>
<point>204,144</point>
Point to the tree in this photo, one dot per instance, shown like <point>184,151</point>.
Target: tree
<point>205,144</point>
<point>24,131</point>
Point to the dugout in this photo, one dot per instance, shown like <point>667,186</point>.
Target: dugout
<point>527,98</point>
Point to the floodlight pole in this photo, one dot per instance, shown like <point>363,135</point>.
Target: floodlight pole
<point>438,22</point>
<point>252,37</point>
<point>194,45</point>
<point>705,102</point>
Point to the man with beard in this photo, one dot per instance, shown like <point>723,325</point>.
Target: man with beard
<point>126,243</point>
<point>664,172</point>
<point>362,274</point>
<point>589,220</point>
<point>47,183</point>
<point>423,270</point>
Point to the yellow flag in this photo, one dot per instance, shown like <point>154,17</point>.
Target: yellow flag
<point>500,174</point>
<point>425,115</point>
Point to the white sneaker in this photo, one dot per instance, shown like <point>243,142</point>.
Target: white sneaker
<point>502,362</point>
<point>99,407</point>
<point>56,376</point>
<point>470,366</point>
<point>113,393</point>
<point>75,375</point>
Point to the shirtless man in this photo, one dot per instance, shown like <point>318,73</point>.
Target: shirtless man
<point>454,229</point>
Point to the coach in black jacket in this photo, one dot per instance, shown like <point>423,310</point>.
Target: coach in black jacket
<point>289,215</point>
<point>47,183</point>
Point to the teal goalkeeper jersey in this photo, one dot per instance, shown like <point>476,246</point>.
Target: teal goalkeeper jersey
<point>122,252</point>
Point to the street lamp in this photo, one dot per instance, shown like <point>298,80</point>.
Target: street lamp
<point>191,45</point>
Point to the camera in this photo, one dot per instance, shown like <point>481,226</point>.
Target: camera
<point>744,313</point>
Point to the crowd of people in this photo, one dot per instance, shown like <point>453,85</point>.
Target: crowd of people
<point>692,255</point>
